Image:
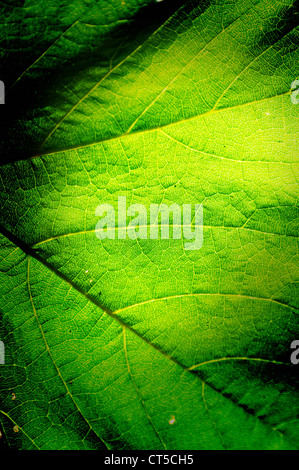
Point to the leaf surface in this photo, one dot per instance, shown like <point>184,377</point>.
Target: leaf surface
<point>142,344</point>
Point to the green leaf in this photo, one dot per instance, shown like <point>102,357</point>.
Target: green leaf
<point>142,344</point>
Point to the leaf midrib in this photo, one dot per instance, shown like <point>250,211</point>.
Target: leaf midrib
<point>29,251</point>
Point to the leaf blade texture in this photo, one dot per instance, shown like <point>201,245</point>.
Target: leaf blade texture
<point>141,344</point>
